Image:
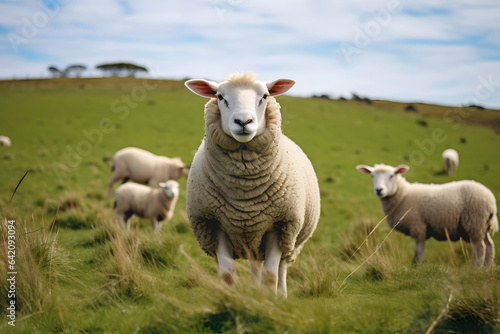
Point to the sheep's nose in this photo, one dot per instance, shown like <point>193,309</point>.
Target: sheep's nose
<point>378,191</point>
<point>243,123</point>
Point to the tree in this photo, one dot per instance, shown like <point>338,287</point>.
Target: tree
<point>76,69</point>
<point>121,69</point>
<point>72,70</point>
<point>56,73</point>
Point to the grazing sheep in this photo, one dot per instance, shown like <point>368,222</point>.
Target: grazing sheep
<point>252,193</point>
<point>450,159</point>
<point>132,163</point>
<point>157,204</point>
<point>5,141</point>
<point>460,209</point>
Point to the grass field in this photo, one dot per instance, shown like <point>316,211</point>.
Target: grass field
<point>79,272</point>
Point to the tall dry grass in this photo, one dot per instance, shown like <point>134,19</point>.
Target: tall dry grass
<point>41,267</point>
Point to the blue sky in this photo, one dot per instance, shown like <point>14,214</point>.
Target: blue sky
<point>435,51</point>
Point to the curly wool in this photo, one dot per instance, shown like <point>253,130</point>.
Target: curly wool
<point>250,189</point>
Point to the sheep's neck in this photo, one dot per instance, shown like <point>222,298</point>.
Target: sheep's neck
<point>243,162</point>
<point>391,203</point>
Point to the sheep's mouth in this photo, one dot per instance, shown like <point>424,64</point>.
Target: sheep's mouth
<point>243,136</point>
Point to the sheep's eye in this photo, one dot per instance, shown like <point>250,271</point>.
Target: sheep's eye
<point>390,177</point>
<point>263,98</point>
<point>220,97</point>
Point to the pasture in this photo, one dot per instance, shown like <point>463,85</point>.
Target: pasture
<point>79,272</point>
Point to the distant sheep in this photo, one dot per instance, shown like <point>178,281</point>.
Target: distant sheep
<point>461,209</point>
<point>156,204</point>
<point>252,193</point>
<point>132,163</point>
<point>450,159</point>
<point>5,141</point>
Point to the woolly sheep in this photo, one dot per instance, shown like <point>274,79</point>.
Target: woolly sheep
<point>132,163</point>
<point>450,159</point>
<point>252,193</point>
<point>460,209</point>
<point>157,204</point>
<point>5,141</point>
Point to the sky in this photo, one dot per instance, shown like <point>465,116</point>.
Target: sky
<point>434,51</point>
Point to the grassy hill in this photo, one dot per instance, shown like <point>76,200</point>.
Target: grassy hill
<point>79,272</point>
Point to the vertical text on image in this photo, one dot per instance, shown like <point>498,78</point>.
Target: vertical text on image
<point>11,274</point>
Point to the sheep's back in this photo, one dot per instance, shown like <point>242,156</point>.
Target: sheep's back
<point>461,207</point>
<point>140,165</point>
<point>132,196</point>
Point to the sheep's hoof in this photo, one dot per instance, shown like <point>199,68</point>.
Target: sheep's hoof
<point>228,279</point>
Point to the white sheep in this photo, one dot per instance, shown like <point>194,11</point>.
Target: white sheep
<point>252,193</point>
<point>5,141</point>
<point>138,165</point>
<point>460,209</point>
<point>156,204</point>
<point>450,159</point>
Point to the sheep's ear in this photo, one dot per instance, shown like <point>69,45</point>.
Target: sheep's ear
<point>401,169</point>
<point>365,169</point>
<point>280,86</point>
<point>162,184</point>
<point>202,87</point>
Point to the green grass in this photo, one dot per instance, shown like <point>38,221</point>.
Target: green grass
<point>82,273</point>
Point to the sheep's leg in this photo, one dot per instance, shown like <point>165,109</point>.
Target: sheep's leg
<point>227,268</point>
<point>110,185</point>
<point>124,220</point>
<point>490,250</point>
<point>255,269</point>
<point>479,249</point>
<point>114,177</point>
<point>271,262</point>
<point>419,250</point>
<point>282,278</point>
<point>156,225</point>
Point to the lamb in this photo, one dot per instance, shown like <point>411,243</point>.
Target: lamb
<point>157,204</point>
<point>5,141</point>
<point>252,193</point>
<point>450,159</point>
<point>460,209</point>
<point>132,163</point>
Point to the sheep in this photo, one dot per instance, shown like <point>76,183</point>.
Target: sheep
<point>5,141</point>
<point>450,159</point>
<point>461,209</point>
<point>157,204</point>
<point>132,163</point>
<point>252,193</point>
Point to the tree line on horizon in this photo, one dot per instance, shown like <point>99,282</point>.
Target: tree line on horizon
<point>111,69</point>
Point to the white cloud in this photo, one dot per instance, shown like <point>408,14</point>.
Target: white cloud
<point>426,50</point>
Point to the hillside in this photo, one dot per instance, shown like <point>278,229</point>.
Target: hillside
<point>72,255</point>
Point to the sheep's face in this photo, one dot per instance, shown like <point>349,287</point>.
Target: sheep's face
<point>242,102</point>
<point>242,110</point>
<point>384,178</point>
<point>170,187</point>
